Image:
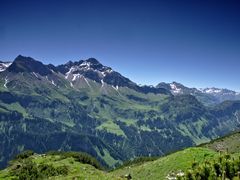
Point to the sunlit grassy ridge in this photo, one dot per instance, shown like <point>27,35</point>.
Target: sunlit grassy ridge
<point>229,143</point>
<point>73,166</point>
<point>157,169</point>
<point>161,167</point>
<point>55,166</point>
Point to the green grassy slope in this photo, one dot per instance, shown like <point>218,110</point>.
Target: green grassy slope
<point>47,164</point>
<point>157,169</point>
<point>161,167</point>
<point>230,143</point>
<point>182,160</point>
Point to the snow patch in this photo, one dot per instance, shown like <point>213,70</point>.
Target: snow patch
<point>175,89</point>
<point>109,70</point>
<point>116,88</point>
<point>4,66</point>
<point>212,90</point>
<point>6,81</point>
<point>105,72</point>
<point>35,75</point>
<point>102,83</point>
<point>85,65</point>
<point>77,71</point>
<point>75,76</point>
<point>69,72</point>
<point>53,83</point>
<point>86,81</point>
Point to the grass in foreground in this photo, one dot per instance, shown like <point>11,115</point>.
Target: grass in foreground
<point>161,167</point>
<point>55,166</point>
<point>69,166</point>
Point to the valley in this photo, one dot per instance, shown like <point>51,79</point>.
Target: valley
<point>88,107</point>
<point>166,167</point>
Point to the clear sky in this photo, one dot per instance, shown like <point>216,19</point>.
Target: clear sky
<point>194,42</point>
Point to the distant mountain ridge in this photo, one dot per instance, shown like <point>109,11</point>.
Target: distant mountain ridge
<point>93,69</point>
<point>79,71</point>
<point>208,96</point>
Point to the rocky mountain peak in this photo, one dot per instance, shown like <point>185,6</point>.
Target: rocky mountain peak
<point>93,61</point>
<point>28,64</point>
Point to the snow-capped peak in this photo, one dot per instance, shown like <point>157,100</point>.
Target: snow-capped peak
<point>85,64</point>
<point>4,66</point>
<point>175,89</point>
<point>90,67</point>
<point>69,72</point>
<point>94,65</point>
<point>212,90</point>
<point>218,91</point>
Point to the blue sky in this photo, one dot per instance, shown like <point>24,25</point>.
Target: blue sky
<point>194,42</point>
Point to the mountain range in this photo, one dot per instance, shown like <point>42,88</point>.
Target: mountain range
<point>86,106</point>
<point>208,96</point>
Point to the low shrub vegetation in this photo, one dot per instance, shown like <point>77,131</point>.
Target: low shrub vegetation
<point>225,167</point>
<point>79,157</point>
<point>29,170</point>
